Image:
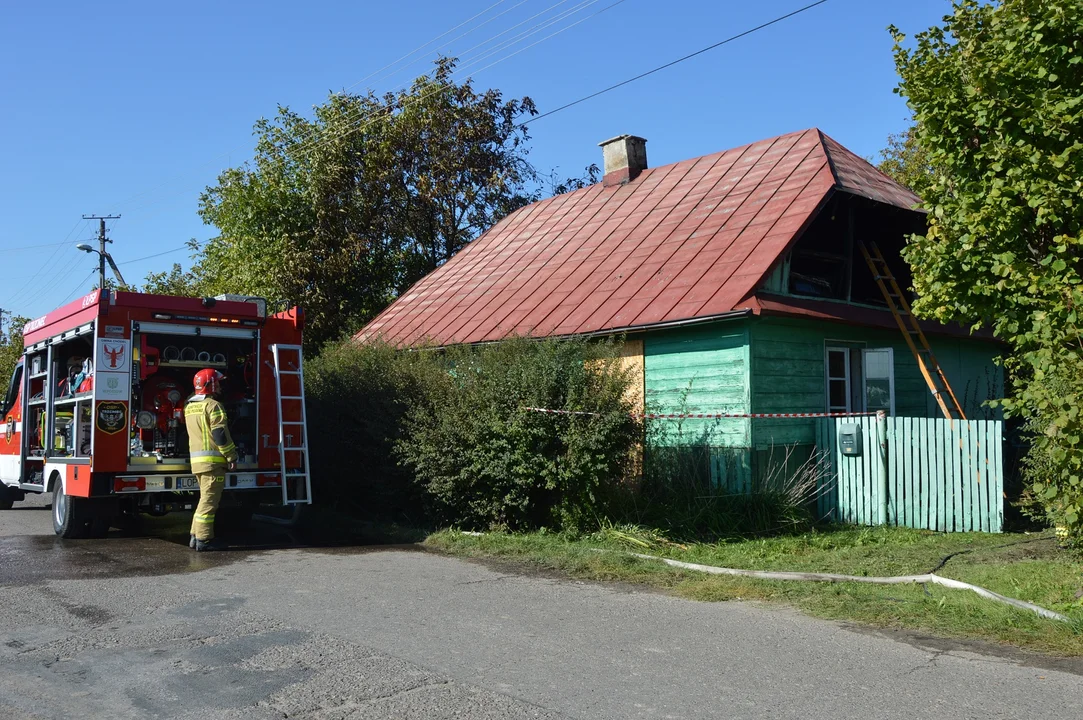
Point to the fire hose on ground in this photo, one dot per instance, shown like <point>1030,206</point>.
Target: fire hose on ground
<point>894,580</point>
<point>932,578</point>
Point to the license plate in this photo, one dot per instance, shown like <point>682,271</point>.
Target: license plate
<point>186,482</point>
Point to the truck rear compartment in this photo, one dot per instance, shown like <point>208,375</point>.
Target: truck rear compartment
<point>165,366</point>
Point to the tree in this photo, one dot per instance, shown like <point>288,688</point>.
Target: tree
<point>342,212</point>
<point>11,348</point>
<point>177,281</point>
<point>905,162</point>
<point>997,97</point>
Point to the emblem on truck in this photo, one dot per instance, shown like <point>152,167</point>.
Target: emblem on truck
<point>115,354</point>
<point>112,417</point>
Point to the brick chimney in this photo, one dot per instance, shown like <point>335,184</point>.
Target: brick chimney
<point>625,156</point>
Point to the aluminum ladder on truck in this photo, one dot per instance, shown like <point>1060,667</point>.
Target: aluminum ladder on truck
<point>915,338</point>
<point>292,425</point>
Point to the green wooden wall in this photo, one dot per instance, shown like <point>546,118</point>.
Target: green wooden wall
<point>702,369</point>
<point>787,358</point>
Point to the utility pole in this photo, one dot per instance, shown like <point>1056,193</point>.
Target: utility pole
<point>3,312</point>
<point>102,240</point>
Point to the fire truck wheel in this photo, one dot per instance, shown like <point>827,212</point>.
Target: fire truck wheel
<point>7,497</point>
<point>104,512</point>
<point>70,514</point>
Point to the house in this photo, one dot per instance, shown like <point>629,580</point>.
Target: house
<point>736,278</point>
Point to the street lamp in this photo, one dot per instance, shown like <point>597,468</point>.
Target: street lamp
<point>102,258</point>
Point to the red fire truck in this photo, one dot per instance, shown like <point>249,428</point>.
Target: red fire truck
<point>94,412</point>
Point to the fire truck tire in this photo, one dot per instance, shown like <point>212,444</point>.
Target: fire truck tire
<point>7,497</point>
<point>70,514</point>
<point>104,512</point>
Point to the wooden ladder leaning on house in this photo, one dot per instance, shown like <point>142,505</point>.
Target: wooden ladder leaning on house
<point>915,338</point>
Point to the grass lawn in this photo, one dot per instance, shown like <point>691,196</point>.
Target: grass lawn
<point>1027,567</point>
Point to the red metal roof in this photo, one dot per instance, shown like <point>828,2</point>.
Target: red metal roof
<point>681,241</point>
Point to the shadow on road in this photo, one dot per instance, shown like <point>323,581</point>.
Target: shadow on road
<point>156,546</point>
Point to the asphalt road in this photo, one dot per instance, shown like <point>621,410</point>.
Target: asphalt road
<point>142,627</point>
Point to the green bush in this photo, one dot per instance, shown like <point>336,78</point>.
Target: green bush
<point>483,461</point>
<point>1053,467</point>
<point>358,397</point>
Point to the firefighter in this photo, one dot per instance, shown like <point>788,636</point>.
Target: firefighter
<point>212,451</point>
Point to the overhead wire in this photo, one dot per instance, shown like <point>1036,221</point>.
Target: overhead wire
<point>47,286</point>
<point>441,47</point>
<point>45,265</point>
<point>361,115</point>
<point>61,275</point>
<point>217,158</point>
<point>361,119</point>
<point>466,52</point>
<point>78,285</point>
<point>674,62</point>
<point>34,247</point>
<point>532,31</point>
<point>148,257</point>
<point>361,124</point>
<point>430,42</point>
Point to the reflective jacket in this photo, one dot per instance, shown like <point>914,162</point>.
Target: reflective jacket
<point>211,447</point>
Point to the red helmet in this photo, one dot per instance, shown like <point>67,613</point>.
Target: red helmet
<point>208,382</point>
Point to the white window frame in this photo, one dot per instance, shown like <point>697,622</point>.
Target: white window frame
<point>890,377</point>
<point>846,377</point>
<point>846,349</point>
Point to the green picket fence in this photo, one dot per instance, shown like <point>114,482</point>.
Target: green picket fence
<point>928,473</point>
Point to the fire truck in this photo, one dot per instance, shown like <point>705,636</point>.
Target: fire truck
<point>94,412</point>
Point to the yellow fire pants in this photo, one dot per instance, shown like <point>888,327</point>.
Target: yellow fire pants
<point>210,494</point>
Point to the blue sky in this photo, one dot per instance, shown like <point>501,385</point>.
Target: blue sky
<point>132,108</point>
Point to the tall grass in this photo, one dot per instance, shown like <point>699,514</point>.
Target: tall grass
<point>680,496</point>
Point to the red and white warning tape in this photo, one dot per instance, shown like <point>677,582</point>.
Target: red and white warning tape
<point>707,416</point>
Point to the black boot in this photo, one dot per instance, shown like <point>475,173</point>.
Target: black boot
<point>209,545</point>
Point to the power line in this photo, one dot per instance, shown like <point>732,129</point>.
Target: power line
<point>75,290</point>
<point>466,53</point>
<point>354,126</point>
<point>148,257</point>
<point>35,247</point>
<point>57,279</point>
<point>674,62</point>
<point>363,118</point>
<point>214,160</point>
<point>48,263</point>
<point>439,47</point>
<point>531,31</point>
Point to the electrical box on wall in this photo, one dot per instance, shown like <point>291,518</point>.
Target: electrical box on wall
<point>850,439</point>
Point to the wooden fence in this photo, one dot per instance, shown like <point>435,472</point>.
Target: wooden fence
<point>928,473</point>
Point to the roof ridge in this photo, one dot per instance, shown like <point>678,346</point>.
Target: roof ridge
<point>832,146</point>
<point>824,137</point>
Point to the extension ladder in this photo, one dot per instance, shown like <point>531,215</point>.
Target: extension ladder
<point>915,338</point>
<point>292,425</point>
